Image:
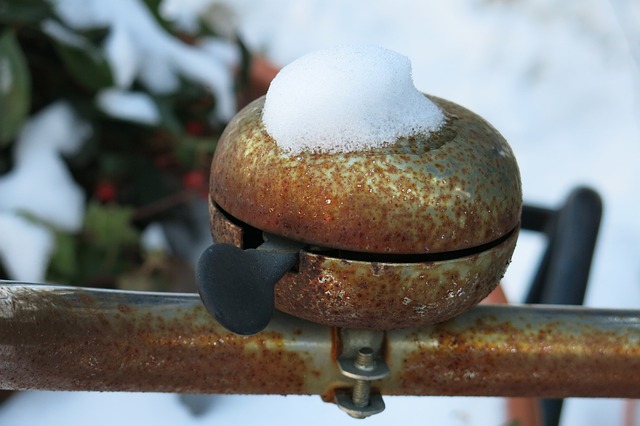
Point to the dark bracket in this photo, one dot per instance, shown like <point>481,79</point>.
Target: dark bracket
<point>563,273</point>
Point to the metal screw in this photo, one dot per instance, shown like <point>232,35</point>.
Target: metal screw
<point>364,368</point>
<point>362,388</point>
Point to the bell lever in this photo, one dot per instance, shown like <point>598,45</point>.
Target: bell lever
<point>237,286</point>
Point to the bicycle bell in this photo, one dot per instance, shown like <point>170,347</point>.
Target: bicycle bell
<point>412,224</point>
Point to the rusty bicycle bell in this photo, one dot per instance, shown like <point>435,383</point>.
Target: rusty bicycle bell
<point>402,235</point>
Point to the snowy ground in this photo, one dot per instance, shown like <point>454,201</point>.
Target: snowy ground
<point>557,78</point>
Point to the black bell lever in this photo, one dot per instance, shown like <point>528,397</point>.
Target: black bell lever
<point>237,286</point>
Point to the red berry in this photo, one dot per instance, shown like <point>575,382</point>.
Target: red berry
<point>194,128</point>
<point>105,191</point>
<point>164,161</point>
<point>194,179</point>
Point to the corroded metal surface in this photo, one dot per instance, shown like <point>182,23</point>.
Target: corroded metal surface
<point>517,351</point>
<point>344,292</point>
<point>457,189</point>
<point>378,295</point>
<point>222,230</point>
<point>75,339</point>
<point>78,339</point>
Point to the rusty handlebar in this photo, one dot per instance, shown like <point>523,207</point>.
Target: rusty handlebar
<point>70,338</point>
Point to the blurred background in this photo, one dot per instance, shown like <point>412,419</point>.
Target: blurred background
<point>110,112</point>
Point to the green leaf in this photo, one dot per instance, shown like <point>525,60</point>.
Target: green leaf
<point>15,88</point>
<point>86,63</point>
<point>64,259</point>
<point>24,11</point>
<point>168,118</point>
<point>109,227</point>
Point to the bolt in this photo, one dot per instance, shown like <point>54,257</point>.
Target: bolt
<point>362,388</point>
<point>364,368</point>
<point>361,391</point>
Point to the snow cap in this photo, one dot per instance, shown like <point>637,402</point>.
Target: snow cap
<point>344,99</point>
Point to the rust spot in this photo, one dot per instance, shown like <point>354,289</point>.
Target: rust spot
<point>87,300</point>
<point>336,344</point>
<point>329,396</point>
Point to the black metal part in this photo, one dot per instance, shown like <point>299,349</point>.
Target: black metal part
<point>563,273</point>
<point>237,286</point>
